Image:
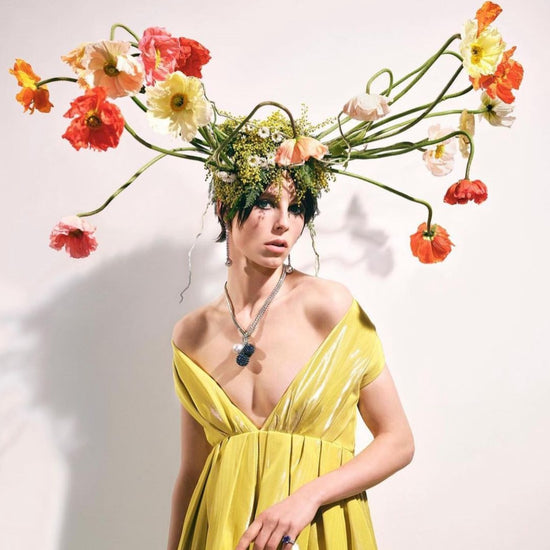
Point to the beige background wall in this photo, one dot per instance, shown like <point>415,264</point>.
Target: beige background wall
<point>88,418</point>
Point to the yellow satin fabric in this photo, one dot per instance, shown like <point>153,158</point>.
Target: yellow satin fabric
<point>310,432</point>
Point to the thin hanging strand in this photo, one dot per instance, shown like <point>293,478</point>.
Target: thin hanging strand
<point>190,253</point>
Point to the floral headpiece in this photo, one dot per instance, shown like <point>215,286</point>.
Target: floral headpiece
<point>161,74</point>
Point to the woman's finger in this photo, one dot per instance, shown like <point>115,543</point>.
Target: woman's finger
<point>249,535</point>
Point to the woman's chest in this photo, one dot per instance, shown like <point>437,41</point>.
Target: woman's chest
<point>282,353</point>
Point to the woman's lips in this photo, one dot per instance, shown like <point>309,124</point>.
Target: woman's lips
<point>277,246</point>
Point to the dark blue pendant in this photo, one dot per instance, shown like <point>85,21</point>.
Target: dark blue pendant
<point>244,354</point>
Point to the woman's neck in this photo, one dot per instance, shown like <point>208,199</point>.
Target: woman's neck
<point>250,285</point>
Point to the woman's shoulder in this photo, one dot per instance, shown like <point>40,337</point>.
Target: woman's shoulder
<point>325,301</point>
<point>192,328</point>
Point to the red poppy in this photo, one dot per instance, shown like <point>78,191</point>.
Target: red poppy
<point>430,247</point>
<point>466,190</point>
<point>97,124</point>
<point>507,77</point>
<point>192,57</point>
<point>76,235</point>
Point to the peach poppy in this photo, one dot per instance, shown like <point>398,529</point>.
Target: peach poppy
<point>440,157</point>
<point>76,235</point>
<point>97,124</point>
<point>297,151</point>
<point>159,53</point>
<point>192,56</point>
<point>74,59</point>
<point>508,76</point>
<point>431,247</point>
<point>466,190</point>
<point>486,15</point>
<point>367,107</point>
<point>30,96</point>
<point>109,64</point>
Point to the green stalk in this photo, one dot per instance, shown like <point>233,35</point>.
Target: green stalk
<point>362,125</point>
<point>127,29</point>
<point>414,121</point>
<point>139,103</point>
<point>170,152</point>
<point>391,190</point>
<point>215,155</point>
<point>56,79</point>
<point>123,187</point>
<point>388,90</point>
<point>425,67</point>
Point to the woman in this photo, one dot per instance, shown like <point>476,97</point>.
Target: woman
<point>267,448</point>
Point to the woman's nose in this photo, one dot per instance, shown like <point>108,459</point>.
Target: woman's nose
<point>282,219</point>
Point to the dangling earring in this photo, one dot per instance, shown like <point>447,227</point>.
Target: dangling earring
<point>288,267</point>
<point>228,260</point>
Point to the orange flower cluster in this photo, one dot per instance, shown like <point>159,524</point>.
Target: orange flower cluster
<point>30,96</point>
<point>509,73</point>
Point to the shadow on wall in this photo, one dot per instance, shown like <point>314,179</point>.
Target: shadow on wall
<point>103,358</point>
<point>367,247</point>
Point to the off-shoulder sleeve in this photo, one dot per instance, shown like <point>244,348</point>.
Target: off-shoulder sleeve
<point>372,347</point>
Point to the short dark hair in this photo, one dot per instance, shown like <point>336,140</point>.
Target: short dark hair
<point>308,202</point>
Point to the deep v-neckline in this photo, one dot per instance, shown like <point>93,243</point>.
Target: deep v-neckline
<point>301,372</point>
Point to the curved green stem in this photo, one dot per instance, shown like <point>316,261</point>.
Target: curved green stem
<point>215,155</point>
<point>56,79</point>
<point>426,66</point>
<point>127,29</point>
<point>388,90</point>
<point>170,152</point>
<point>122,187</point>
<point>391,118</point>
<point>390,189</point>
<point>414,121</point>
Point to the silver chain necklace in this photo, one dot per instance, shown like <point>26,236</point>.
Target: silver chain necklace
<point>244,350</point>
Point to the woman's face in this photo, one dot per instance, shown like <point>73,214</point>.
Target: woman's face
<point>269,233</point>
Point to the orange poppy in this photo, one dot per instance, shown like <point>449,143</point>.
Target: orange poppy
<point>430,247</point>
<point>30,96</point>
<point>507,77</point>
<point>486,15</point>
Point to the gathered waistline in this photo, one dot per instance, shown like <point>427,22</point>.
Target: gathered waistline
<point>264,434</point>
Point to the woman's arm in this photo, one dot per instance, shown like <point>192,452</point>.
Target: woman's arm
<point>194,450</point>
<point>391,449</point>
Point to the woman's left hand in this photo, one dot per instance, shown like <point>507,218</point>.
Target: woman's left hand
<point>286,518</point>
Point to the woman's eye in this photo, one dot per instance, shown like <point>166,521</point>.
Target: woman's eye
<point>296,209</point>
<point>263,204</point>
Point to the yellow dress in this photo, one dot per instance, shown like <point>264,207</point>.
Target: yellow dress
<point>311,431</point>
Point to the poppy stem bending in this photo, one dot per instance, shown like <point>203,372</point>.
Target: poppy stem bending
<point>127,29</point>
<point>55,79</point>
<point>388,90</point>
<point>170,152</point>
<point>136,175</point>
<point>390,189</point>
<point>215,155</point>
